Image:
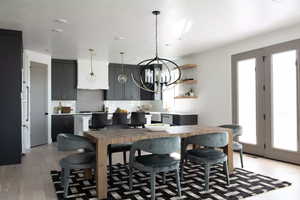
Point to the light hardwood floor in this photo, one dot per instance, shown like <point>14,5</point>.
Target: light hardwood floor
<point>31,179</point>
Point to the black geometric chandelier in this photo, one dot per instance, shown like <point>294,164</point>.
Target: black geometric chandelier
<point>166,72</point>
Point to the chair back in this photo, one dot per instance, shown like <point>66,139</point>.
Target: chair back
<point>138,118</point>
<point>218,139</point>
<point>99,120</point>
<point>236,129</point>
<point>159,145</point>
<point>119,119</point>
<point>70,142</point>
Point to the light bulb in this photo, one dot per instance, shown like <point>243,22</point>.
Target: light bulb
<point>122,78</point>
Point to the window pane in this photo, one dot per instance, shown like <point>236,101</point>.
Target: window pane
<point>284,91</point>
<point>247,99</point>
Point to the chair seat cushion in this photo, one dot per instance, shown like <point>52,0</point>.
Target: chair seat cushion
<point>78,159</point>
<point>237,146</point>
<point>208,156</point>
<point>157,161</point>
<point>120,147</point>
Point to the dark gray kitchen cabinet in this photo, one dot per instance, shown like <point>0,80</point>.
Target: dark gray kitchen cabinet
<point>118,91</point>
<point>64,79</point>
<point>131,91</point>
<point>10,87</point>
<point>61,124</point>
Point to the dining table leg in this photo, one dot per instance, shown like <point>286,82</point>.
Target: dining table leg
<point>101,168</point>
<point>229,151</point>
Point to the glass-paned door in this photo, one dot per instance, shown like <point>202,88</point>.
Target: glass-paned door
<point>265,100</point>
<point>282,136</point>
<point>247,105</point>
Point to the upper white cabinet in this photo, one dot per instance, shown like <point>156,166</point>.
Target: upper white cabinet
<point>100,69</point>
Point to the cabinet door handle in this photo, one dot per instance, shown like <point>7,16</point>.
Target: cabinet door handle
<point>27,88</point>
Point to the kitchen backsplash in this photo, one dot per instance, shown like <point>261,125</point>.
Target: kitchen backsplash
<point>132,105</point>
<point>89,100</point>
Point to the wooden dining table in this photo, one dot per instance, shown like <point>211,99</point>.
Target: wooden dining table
<point>104,137</point>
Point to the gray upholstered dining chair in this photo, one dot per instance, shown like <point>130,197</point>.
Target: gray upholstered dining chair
<point>207,155</point>
<point>160,160</point>
<point>237,132</point>
<point>84,160</point>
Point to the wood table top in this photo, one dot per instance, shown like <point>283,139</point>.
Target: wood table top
<point>116,136</point>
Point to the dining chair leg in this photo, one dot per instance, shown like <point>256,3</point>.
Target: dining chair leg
<point>153,176</point>
<point>66,181</point>
<point>178,182</point>
<point>130,178</point>
<point>207,170</point>
<point>182,169</point>
<point>164,177</point>
<point>62,177</point>
<point>110,165</point>
<point>124,157</point>
<point>241,156</point>
<point>225,169</point>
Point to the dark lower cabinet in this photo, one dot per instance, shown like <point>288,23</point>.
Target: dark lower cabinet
<point>61,124</point>
<point>185,119</point>
<point>10,100</point>
<point>64,79</point>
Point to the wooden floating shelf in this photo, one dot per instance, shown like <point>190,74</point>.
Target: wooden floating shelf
<point>187,66</point>
<point>186,97</point>
<point>186,82</point>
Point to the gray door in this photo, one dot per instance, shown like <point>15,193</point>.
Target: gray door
<point>38,104</point>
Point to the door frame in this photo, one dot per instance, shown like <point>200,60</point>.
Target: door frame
<point>32,56</point>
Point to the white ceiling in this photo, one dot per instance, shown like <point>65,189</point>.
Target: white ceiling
<point>200,25</point>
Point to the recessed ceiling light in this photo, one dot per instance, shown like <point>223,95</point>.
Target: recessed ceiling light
<point>119,38</point>
<point>277,1</point>
<point>57,30</point>
<point>61,21</point>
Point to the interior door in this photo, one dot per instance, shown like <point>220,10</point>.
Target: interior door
<point>266,98</point>
<point>38,104</point>
<point>282,99</point>
<point>248,99</point>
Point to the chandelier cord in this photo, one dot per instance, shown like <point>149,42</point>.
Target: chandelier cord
<point>156,37</point>
<point>92,73</point>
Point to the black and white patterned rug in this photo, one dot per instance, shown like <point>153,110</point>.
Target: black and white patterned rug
<point>243,184</point>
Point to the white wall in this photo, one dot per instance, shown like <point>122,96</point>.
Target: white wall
<point>214,75</point>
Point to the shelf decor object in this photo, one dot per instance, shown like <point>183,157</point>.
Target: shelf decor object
<point>185,97</point>
<point>160,76</point>
<point>122,78</point>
